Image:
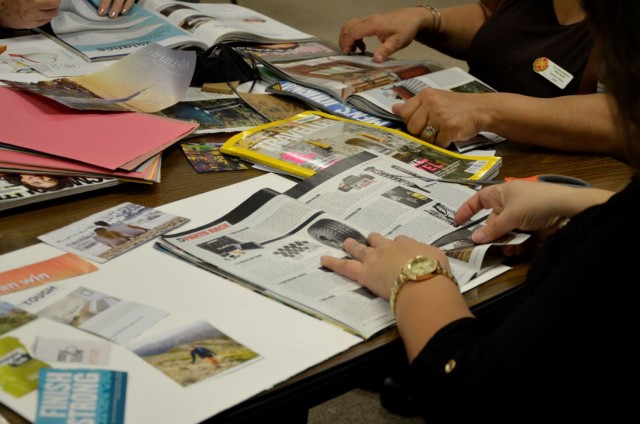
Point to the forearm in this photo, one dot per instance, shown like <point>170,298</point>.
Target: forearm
<point>568,123</point>
<point>425,307</point>
<point>458,26</point>
<point>580,199</point>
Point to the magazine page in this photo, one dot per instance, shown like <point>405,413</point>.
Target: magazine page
<point>342,76</point>
<point>102,38</point>
<point>276,250</point>
<point>110,233</point>
<point>319,100</point>
<point>379,101</point>
<point>103,314</point>
<point>273,242</point>
<point>288,51</point>
<point>215,23</point>
<point>37,57</point>
<point>394,199</point>
<point>214,112</point>
<point>151,79</point>
<point>311,141</point>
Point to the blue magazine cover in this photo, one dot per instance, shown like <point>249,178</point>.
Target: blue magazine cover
<point>81,395</point>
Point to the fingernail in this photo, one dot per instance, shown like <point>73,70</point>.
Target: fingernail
<point>101,11</point>
<point>123,11</point>
<point>113,14</point>
<point>479,236</point>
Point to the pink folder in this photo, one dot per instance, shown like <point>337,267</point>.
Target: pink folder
<point>110,140</point>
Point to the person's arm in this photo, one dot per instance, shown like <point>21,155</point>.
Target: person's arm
<point>397,29</point>
<point>569,123</point>
<point>422,308</point>
<point>27,14</point>
<point>113,8</point>
<point>583,123</point>
<point>527,206</point>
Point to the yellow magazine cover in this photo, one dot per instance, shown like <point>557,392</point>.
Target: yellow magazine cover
<point>311,141</point>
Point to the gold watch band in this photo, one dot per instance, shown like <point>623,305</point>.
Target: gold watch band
<point>402,280</point>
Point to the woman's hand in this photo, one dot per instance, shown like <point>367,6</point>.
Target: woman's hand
<point>113,8</point>
<point>376,266</point>
<point>526,206</point>
<point>26,14</point>
<point>454,116</point>
<point>395,30</point>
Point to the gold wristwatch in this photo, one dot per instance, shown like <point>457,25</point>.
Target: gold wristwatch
<point>420,268</point>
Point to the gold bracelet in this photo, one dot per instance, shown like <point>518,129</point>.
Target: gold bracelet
<point>437,19</point>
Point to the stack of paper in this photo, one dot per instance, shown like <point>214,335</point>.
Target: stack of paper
<point>97,125</point>
<point>41,135</point>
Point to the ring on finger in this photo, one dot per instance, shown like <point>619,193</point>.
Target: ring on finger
<point>429,133</point>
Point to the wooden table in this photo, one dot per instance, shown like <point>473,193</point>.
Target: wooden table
<point>357,366</point>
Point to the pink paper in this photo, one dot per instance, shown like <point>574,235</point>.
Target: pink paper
<point>106,139</point>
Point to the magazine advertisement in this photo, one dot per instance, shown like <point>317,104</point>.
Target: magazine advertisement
<point>288,51</point>
<point>273,242</point>
<point>311,141</point>
<point>342,76</point>
<point>319,100</point>
<point>378,101</point>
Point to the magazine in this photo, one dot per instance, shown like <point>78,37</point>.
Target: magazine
<point>311,141</point>
<point>320,100</point>
<point>377,102</point>
<point>288,51</point>
<point>342,76</point>
<point>273,241</point>
<point>171,24</point>
<point>24,189</point>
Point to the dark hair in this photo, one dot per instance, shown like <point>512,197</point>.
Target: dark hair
<point>615,24</point>
<point>62,182</point>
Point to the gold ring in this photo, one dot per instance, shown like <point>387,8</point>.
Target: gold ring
<point>429,133</point>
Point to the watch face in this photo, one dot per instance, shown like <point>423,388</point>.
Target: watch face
<point>420,267</point>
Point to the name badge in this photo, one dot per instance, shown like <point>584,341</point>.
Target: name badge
<point>552,71</point>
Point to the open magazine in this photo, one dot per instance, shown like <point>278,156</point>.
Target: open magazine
<point>311,141</point>
<point>273,242</point>
<point>343,76</point>
<point>377,102</point>
<point>169,23</point>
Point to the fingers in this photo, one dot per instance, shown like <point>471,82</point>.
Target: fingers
<point>388,47</point>
<point>416,113</point>
<point>468,209</point>
<point>496,225</point>
<point>347,267</point>
<point>351,36</point>
<point>114,7</point>
<point>441,117</point>
<point>356,249</point>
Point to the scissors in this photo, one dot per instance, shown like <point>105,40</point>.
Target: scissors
<point>545,178</point>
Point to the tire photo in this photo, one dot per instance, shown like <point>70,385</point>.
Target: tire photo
<point>334,233</point>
